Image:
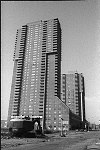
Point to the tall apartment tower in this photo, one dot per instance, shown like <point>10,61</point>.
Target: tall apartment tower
<point>73,93</point>
<point>37,68</point>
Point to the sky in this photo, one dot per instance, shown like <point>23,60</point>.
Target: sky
<point>80,24</point>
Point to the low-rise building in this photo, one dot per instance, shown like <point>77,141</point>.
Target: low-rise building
<point>59,115</point>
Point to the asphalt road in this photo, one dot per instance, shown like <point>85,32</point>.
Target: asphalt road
<point>72,141</point>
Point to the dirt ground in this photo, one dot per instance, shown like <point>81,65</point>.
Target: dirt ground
<point>72,141</point>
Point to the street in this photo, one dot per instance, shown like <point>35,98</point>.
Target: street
<point>72,141</point>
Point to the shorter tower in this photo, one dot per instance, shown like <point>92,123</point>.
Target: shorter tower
<point>73,93</point>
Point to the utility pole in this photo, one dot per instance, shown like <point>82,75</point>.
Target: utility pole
<point>88,126</point>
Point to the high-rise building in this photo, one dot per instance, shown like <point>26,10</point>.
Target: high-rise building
<point>37,69</point>
<point>73,93</point>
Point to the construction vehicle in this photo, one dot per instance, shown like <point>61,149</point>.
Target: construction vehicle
<point>23,125</point>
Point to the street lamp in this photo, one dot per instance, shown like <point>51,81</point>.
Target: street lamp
<point>61,126</point>
<point>88,125</point>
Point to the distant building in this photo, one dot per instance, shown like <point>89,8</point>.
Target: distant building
<point>37,69</point>
<point>73,93</point>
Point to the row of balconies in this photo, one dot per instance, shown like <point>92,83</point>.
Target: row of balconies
<point>19,68</point>
<point>55,38</point>
<point>22,45</point>
<point>18,80</point>
<point>54,23</point>
<point>55,33</point>
<point>55,43</point>
<point>19,62</point>
<point>43,53</point>
<point>45,31</point>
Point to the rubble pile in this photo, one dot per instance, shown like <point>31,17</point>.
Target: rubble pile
<point>5,135</point>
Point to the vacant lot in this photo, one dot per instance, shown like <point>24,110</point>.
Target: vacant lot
<point>72,141</point>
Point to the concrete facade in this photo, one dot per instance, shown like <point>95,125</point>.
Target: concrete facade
<point>37,68</point>
<point>73,93</point>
